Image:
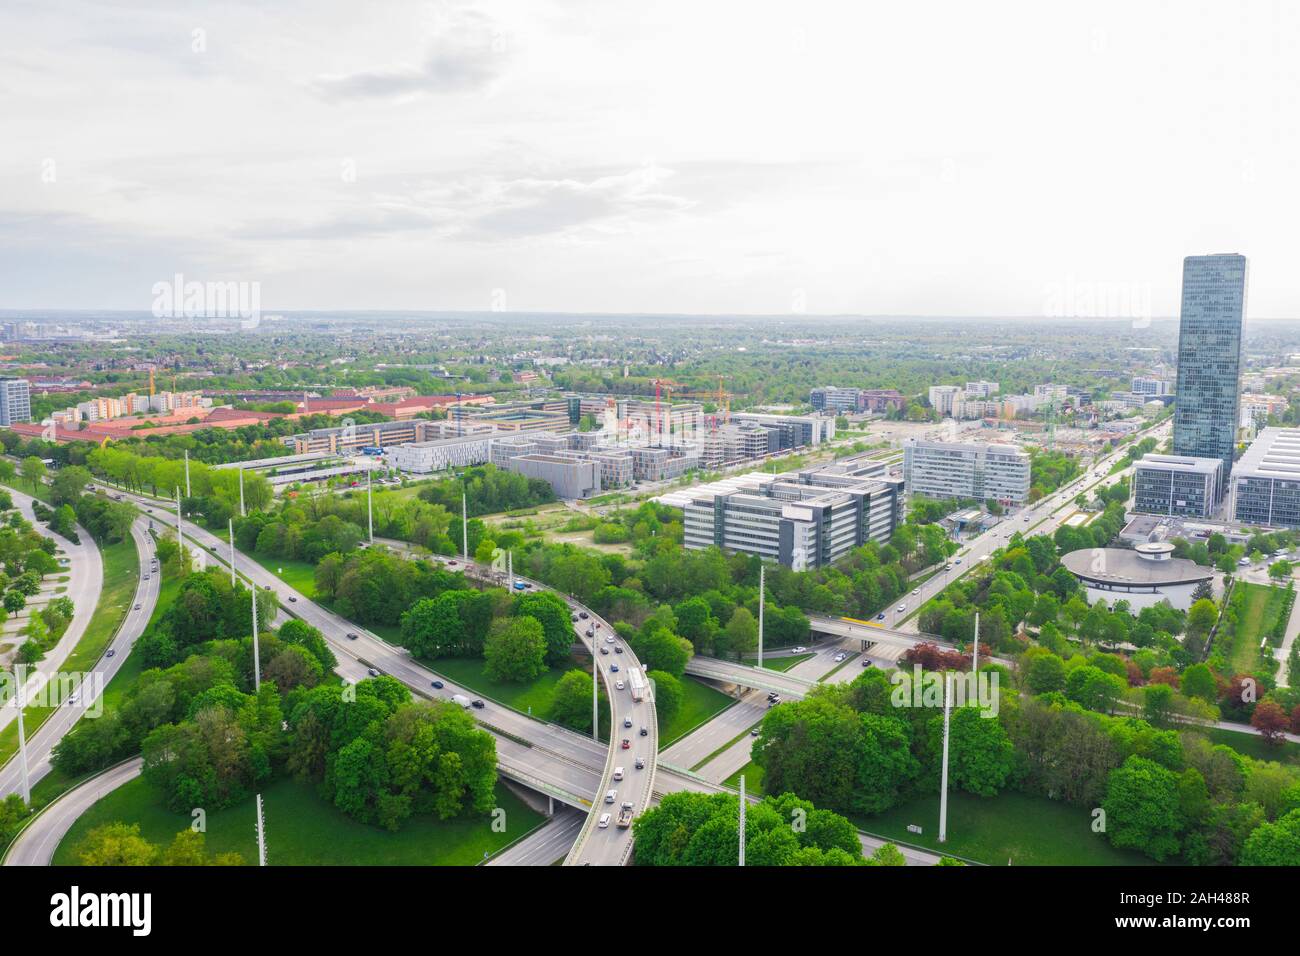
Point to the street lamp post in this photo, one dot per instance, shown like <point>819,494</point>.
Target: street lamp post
<point>20,698</point>
<point>943,786</point>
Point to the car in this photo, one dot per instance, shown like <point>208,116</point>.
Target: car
<point>640,763</point>
<point>583,615</point>
<point>866,662</point>
<point>956,561</point>
<point>840,656</point>
<point>137,607</point>
<point>627,744</point>
<point>901,608</point>
<point>573,617</point>
<point>266,587</point>
<point>604,821</point>
<point>880,616</point>
<point>150,510</point>
<point>477,703</point>
<point>110,652</point>
<point>351,636</point>
<point>146,577</point>
<point>619,685</point>
<point>798,650</point>
<point>627,721</point>
<point>292,599</point>
<point>436,684</point>
<point>613,668</point>
<point>644,732</point>
<point>451,564</point>
<point>618,648</point>
<point>611,796</point>
<point>73,698</point>
<point>590,632</point>
<point>773,700</point>
<point>753,732</point>
<point>609,638</point>
<point>947,567</point>
<point>618,774</point>
<point>1244,562</point>
<point>519,585</point>
<point>372,672</point>
<point>916,590</point>
<point>605,650</point>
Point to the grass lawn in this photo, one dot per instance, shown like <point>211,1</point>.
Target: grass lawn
<point>299,575</point>
<point>1259,613</point>
<point>753,775</point>
<point>468,672</point>
<point>1252,745</point>
<point>1025,830</point>
<point>781,663</point>
<point>304,830</point>
<point>700,703</point>
<point>121,572</point>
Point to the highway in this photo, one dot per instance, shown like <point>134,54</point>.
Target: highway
<point>36,844</point>
<point>41,742</point>
<point>85,582</point>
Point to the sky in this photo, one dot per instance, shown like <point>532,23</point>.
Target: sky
<point>926,158</point>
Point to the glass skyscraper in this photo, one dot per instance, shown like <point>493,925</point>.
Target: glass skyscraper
<point>1209,357</point>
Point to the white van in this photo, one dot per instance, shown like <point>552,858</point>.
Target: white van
<point>611,796</point>
<point>618,773</point>
<point>461,699</point>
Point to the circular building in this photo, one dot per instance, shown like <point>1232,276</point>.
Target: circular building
<point>1144,576</point>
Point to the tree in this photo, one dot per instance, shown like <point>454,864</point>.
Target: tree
<point>1046,672</point>
<point>552,613</point>
<point>116,844</point>
<point>1200,619</point>
<point>1271,721</point>
<point>571,701</point>
<point>1274,844</point>
<point>1142,808</point>
<point>740,634</point>
<point>1198,681</point>
<point>1279,570</point>
<point>515,650</point>
<point>669,695</point>
<point>68,485</point>
<point>662,650</point>
<point>980,752</point>
<point>33,471</point>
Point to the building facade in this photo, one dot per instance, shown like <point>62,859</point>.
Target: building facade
<point>1266,482</point>
<point>15,401</point>
<point>967,470</point>
<point>1177,485</point>
<point>1209,357</point>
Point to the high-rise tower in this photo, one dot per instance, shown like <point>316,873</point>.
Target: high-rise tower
<point>1209,357</point>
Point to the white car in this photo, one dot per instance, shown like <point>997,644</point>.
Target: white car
<point>901,608</point>
<point>916,590</point>
<point>840,656</point>
<point>619,685</point>
<point>798,650</point>
<point>604,821</point>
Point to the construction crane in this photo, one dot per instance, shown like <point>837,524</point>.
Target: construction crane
<point>662,384</point>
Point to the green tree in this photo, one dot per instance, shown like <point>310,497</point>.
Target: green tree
<point>1143,808</point>
<point>515,650</point>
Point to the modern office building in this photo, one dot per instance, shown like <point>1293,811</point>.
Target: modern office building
<point>1177,485</point>
<point>976,470</point>
<point>791,431</point>
<point>805,519</point>
<point>1150,386</point>
<point>831,399</point>
<point>571,477</point>
<point>15,401</point>
<point>1266,482</point>
<point>426,457</point>
<point>1209,357</point>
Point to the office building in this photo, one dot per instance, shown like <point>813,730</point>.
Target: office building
<point>805,519</point>
<point>981,389</point>
<point>426,457</point>
<point>571,477</point>
<point>1209,357</point>
<point>1177,485</point>
<point>942,398</point>
<point>15,401</point>
<point>1266,482</point>
<point>977,470</point>
<point>1150,386</point>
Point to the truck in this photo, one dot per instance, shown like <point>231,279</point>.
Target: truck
<point>637,683</point>
<point>461,699</point>
<point>624,818</point>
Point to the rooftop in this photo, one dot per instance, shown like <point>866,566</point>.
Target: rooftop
<point>1121,566</point>
<point>1275,453</point>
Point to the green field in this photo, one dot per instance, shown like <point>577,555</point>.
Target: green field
<point>1028,831</point>
<point>304,830</point>
<point>121,573</point>
<point>1253,745</point>
<point>1011,828</point>
<point>299,575</point>
<point>700,703</point>
<point>468,672</point>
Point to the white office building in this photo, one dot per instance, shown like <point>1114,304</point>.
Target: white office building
<point>976,470</point>
<point>426,457</point>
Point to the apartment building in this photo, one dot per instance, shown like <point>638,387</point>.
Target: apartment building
<point>15,401</point>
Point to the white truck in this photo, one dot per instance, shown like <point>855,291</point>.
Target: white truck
<point>462,700</point>
<point>637,682</point>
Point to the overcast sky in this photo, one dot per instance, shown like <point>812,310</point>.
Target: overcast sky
<point>700,156</point>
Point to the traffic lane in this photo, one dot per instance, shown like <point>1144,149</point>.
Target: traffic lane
<point>738,718</point>
<point>35,846</point>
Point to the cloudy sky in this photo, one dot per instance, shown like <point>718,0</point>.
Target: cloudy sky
<point>998,158</point>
